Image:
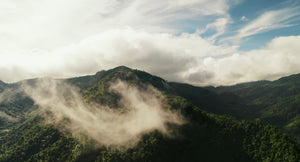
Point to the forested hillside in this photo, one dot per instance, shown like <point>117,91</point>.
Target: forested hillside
<point>276,103</point>
<point>203,136</point>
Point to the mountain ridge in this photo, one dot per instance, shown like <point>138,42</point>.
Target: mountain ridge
<point>206,137</point>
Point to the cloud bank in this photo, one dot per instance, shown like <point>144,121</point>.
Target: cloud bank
<point>161,37</point>
<point>141,112</point>
<point>52,24</point>
<point>185,58</point>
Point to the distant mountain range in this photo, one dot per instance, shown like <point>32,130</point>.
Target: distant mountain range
<point>257,121</point>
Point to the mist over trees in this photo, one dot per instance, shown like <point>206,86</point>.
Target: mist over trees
<point>186,130</point>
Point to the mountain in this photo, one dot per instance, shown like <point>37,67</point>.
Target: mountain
<point>203,137</point>
<point>13,105</point>
<point>275,102</point>
<point>222,103</point>
<point>2,85</point>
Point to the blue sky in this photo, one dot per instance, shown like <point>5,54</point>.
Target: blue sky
<point>246,11</point>
<point>201,42</point>
<point>253,9</point>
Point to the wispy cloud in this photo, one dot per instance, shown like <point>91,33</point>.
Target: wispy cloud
<point>243,18</point>
<point>185,58</point>
<point>51,24</point>
<point>65,38</point>
<point>7,117</point>
<point>268,21</point>
<point>140,112</point>
<point>158,53</point>
<point>219,26</point>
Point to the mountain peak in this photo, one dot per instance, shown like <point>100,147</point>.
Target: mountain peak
<point>122,67</point>
<point>121,72</point>
<point>118,68</point>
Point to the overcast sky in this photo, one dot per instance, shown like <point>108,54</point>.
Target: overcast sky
<point>202,42</point>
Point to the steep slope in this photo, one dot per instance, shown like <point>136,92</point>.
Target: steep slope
<point>224,103</point>
<point>2,85</point>
<point>277,102</point>
<point>205,137</point>
<point>123,73</point>
<point>13,105</point>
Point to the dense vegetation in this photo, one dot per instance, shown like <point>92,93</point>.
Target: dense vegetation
<point>205,137</point>
<point>276,103</point>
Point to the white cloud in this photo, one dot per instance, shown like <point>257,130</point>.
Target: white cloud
<point>64,38</point>
<point>279,58</point>
<point>140,112</point>
<point>185,58</point>
<point>206,7</point>
<point>51,24</point>
<point>158,53</point>
<point>268,21</point>
<point>243,18</point>
<point>7,117</point>
<point>70,38</point>
<point>219,26</point>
